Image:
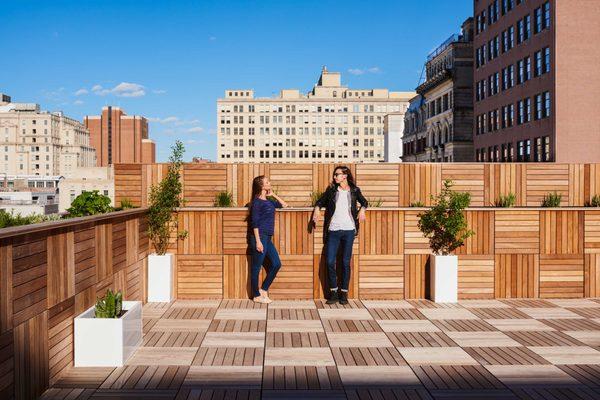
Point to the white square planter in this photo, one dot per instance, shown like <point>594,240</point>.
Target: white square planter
<point>107,342</point>
<point>444,278</point>
<point>160,278</point>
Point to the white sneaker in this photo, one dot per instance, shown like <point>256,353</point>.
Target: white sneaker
<point>262,300</point>
<point>265,295</point>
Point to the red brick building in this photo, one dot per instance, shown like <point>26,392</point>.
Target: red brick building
<point>535,89</point>
<point>120,138</point>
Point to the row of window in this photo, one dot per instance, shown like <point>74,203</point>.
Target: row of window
<point>498,8</point>
<point>492,85</point>
<point>439,105</point>
<point>505,152</point>
<point>505,116</point>
<point>302,154</point>
<point>506,41</point>
<point>291,119</point>
<point>327,131</point>
<point>292,143</point>
<point>291,108</point>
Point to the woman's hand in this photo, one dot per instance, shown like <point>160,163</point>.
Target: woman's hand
<point>259,247</point>
<point>362,214</point>
<point>315,217</point>
<point>269,192</point>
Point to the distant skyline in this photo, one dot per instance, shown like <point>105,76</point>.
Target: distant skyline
<point>170,61</point>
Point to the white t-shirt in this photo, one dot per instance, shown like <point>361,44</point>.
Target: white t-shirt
<point>342,217</point>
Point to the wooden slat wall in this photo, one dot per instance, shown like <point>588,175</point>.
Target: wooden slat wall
<point>47,278</point>
<point>514,253</point>
<point>397,185</point>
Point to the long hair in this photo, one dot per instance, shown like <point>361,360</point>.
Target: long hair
<point>345,170</point>
<point>257,186</point>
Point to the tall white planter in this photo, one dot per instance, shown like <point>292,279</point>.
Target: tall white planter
<point>444,279</point>
<point>107,342</point>
<point>160,278</point>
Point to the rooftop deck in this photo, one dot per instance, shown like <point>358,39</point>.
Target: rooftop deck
<point>406,349</point>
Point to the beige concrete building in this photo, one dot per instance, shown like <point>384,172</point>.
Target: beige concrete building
<point>331,123</point>
<point>35,142</point>
<point>86,179</point>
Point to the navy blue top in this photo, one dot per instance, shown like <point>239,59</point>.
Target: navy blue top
<point>262,215</point>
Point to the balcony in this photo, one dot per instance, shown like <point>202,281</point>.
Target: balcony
<point>526,322</point>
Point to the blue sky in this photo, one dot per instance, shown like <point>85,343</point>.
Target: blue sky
<point>170,60</point>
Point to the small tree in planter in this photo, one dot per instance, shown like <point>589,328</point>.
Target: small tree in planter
<point>445,225</point>
<point>165,198</point>
<point>107,334</point>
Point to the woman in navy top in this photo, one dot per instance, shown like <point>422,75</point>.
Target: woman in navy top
<point>262,223</point>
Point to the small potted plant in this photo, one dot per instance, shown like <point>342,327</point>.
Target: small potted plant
<point>445,225</point>
<point>165,198</point>
<point>107,334</point>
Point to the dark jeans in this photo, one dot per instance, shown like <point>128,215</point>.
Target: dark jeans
<point>258,258</point>
<point>335,239</point>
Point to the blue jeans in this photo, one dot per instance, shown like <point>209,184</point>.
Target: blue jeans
<point>258,258</point>
<point>335,239</point>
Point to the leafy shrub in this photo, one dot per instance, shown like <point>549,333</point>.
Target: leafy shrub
<point>109,306</point>
<point>445,223</point>
<point>11,219</point>
<point>224,199</point>
<point>506,201</point>
<point>552,200</point>
<point>595,202</point>
<point>164,199</point>
<point>127,203</point>
<point>89,203</point>
<point>417,203</point>
<point>314,196</point>
<point>376,203</point>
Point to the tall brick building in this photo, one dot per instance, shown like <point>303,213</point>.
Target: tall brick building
<point>120,138</point>
<point>535,89</point>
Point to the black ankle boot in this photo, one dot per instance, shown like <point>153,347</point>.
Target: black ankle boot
<point>343,297</point>
<point>333,297</point>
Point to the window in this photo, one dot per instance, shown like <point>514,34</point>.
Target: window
<point>538,107</point>
<point>546,60</point>
<point>537,57</point>
<point>546,8</point>
<point>547,105</point>
<point>528,109</point>
<point>546,149</point>
<point>537,20</point>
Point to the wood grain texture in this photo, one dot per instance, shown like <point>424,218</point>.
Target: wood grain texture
<point>516,275</point>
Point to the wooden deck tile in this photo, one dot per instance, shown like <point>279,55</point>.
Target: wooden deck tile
<point>568,355</point>
<point>293,305</point>
<point>181,325</point>
<point>237,325</point>
<point>292,314</point>
<point>83,377</point>
<point>476,339</point>
<point>499,313</point>
<point>440,356</point>
<point>242,304</point>
<point>528,303</point>
<point>315,356</point>
<point>505,356</point>
<point>587,312</point>
<point>294,326</point>
<point>483,304</point>
<point>511,325</point>
<point>234,339</point>
<point>296,339</point>
<point>362,339</point>
<point>173,339</point>
<point>456,377</point>
<point>196,304</point>
<point>163,356</point>
<point>230,356</point>
<point>425,303</point>
<point>218,394</point>
<point>388,394</point>
<point>301,378</point>
<point>189,313</point>
<point>589,375</point>
<point>367,356</point>
<point>549,313</point>
<point>574,303</point>
<point>552,338</point>
<point>526,375</point>
<point>145,378</point>
<point>67,394</point>
<point>447,313</point>
<point>572,324</point>
<point>304,394</point>
<point>394,304</point>
<point>241,313</point>
<point>567,393</point>
<point>154,310</point>
<point>591,338</point>
<point>408,326</point>
<point>396,313</point>
<point>345,313</point>
<point>420,339</point>
<point>378,376</point>
<point>352,304</point>
<point>341,325</point>
<point>465,325</point>
<point>246,377</point>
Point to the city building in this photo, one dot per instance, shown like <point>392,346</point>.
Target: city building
<point>29,194</point>
<point>536,95</point>
<point>35,142</point>
<point>447,94</point>
<point>86,179</point>
<point>200,160</point>
<point>331,123</point>
<point>415,132</point>
<point>120,138</point>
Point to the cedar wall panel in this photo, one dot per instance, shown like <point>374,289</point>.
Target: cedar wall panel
<point>47,278</point>
<point>397,184</point>
<point>475,276</point>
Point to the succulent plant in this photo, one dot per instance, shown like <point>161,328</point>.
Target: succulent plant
<point>109,306</point>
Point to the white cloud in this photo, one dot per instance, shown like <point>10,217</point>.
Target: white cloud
<point>123,89</point>
<point>159,91</point>
<point>81,92</point>
<point>195,130</point>
<point>96,88</point>
<point>362,71</point>
<point>78,102</point>
<point>166,120</point>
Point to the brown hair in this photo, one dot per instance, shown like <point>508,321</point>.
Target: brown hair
<point>257,185</point>
<point>346,171</point>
